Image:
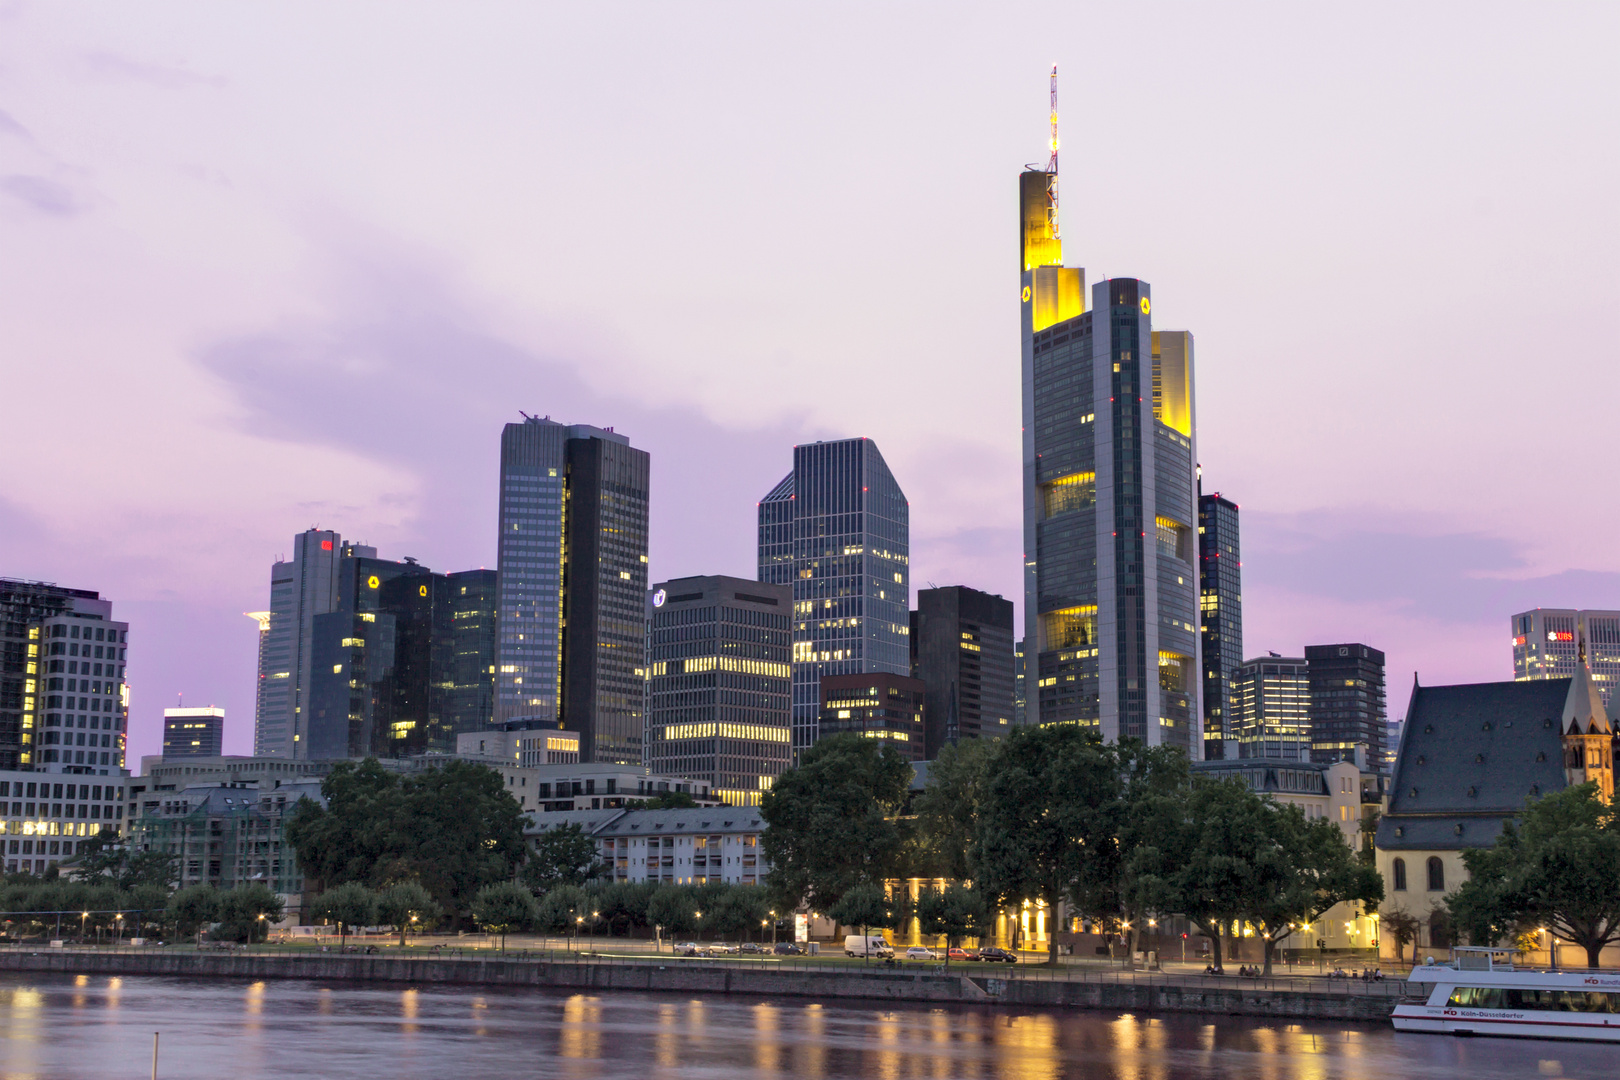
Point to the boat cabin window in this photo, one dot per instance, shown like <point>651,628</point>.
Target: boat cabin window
<point>1399,870</point>
<point>1492,997</point>
<point>1437,874</point>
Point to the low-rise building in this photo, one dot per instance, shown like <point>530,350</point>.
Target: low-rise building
<point>44,817</point>
<point>227,834</point>
<point>876,705</point>
<point>693,846</point>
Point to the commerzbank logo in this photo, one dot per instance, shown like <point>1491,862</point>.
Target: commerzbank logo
<point>659,597</point>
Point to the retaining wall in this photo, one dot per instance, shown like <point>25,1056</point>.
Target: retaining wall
<point>686,976</point>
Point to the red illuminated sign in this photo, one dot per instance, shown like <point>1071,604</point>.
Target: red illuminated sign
<point>1519,640</point>
<point>1560,635</point>
<point>326,545</point>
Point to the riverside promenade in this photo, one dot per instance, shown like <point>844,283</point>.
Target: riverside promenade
<point>1070,986</point>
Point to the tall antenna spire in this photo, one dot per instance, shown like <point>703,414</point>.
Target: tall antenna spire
<point>1052,165</point>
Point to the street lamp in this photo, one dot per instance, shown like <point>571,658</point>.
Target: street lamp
<point>698,915</point>
<point>579,920</point>
<point>82,917</point>
<point>119,935</point>
<point>773,928</point>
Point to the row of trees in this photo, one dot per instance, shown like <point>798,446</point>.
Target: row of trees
<point>100,905</point>
<point>1120,832</point>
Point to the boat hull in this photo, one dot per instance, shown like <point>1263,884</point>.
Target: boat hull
<point>1513,1023</point>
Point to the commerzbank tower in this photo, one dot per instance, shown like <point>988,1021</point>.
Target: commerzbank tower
<point>1111,598</point>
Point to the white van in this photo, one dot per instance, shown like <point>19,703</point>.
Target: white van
<point>871,945</point>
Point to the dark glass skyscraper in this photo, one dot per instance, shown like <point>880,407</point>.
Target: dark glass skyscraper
<point>572,583</point>
<point>837,529</point>
<point>1347,703</point>
<point>470,701</point>
<point>1111,579</point>
<point>1220,572</point>
<point>962,651</point>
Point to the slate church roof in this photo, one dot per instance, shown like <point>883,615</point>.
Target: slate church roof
<point>1470,756</point>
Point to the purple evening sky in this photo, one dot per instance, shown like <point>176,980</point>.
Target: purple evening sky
<point>266,267</point>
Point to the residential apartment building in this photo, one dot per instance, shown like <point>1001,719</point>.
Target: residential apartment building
<point>572,583</point>
<point>1220,614</point>
<point>837,529</point>
<point>962,652</point>
<point>1548,643</point>
<point>699,846</point>
<point>719,683</point>
<point>44,818</point>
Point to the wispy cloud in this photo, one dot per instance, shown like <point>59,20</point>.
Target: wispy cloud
<point>41,194</point>
<point>165,77</point>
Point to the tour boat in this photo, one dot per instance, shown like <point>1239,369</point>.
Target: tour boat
<point>1480,993</point>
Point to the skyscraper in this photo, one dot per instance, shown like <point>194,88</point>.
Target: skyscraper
<point>572,583</point>
<point>1271,708</point>
<point>1548,642</point>
<point>470,695</point>
<point>193,732</point>
<point>1347,704</point>
<point>837,529</point>
<point>1110,578</point>
<point>300,589</point>
<point>63,700</point>
<point>962,651</point>
<point>719,683</point>
<point>1220,576</point>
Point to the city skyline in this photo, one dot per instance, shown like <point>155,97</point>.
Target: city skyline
<point>291,269</point>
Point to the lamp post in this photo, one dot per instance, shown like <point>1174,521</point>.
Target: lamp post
<point>118,937</point>
<point>82,917</point>
<point>773,929</point>
<point>579,920</point>
<point>697,916</point>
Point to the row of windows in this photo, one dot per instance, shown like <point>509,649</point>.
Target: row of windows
<point>1435,869</point>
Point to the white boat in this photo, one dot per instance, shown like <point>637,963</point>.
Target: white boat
<point>1481,993</point>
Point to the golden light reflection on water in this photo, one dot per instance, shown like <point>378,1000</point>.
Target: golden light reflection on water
<point>410,1006</point>
<point>887,1056</point>
<point>767,1038</point>
<point>253,1004</point>
<point>1035,1038</point>
<point>666,1037</point>
<point>581,1036</point>
<point>810,1055</point>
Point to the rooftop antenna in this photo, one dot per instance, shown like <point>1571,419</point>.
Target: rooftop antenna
<point>1052,166</point>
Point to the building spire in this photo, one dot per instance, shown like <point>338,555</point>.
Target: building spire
<point>1052,165</point>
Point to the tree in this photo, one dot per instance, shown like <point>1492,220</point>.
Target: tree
<point>348,905</point>
<point>948,808</point>
<point>669,800</point>
<point>107,857</point>
<point>864,906</point>
<point>1558,868</point>
<point>453,829</point>
<point>192,908</point>
<point>565,855</point>
<point>1303,867</point>
<point>1152,802</point>
<point>504,906</point>
<point>623,904</point>
<point>953,912</point>
<point>1403,927</point>
<point>562,909</point>
<point>1047,823</point>
<point>245,913</point>
<point>406,904</point>
<point>831,824</point>
<point>674,908</point>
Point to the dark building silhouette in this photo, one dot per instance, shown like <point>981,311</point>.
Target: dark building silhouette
<point>962,651</point>
<point>1220,582</point>
<point>193,732</point>
<point>877,705</point>
<point>1347,706</point>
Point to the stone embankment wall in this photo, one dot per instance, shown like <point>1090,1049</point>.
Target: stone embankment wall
<point>695,977</point>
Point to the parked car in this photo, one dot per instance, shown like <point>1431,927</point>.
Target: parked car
<point>870,945</point>
<point>964,954</point>
<point>917,952</point>
<point>690,948</point>
<point>723,948</point>
<point>787,948</point>
<point>993,955</point>
<point>751,947</point>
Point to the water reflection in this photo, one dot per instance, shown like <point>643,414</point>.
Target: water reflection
<point>54,1027</point>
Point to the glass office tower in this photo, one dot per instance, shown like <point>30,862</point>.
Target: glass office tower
<point>1110,570</point>
<point>837,529</point>
<point>1548,643</point>
<point>572,580</point>
<point>1220,575</point>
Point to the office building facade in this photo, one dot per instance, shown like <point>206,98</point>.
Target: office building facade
<point>1019,716</point>
<point>53,718</point>
<point>1548,644</point>
<point>1220,613</point>
<point>1271,709</point>
<point>1348,711</point>
<point>837,530</point>
<point>470,691</point>
<point>193,733</point>
<point>1111,601</point>
<point>44,819</point>
<point>719,683</point>
<point>572,582</point>
<point>877,705</point>
<point>962,652</point>
<point>301,588</point>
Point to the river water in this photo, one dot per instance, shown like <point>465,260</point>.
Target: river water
<point>77,1027</point>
